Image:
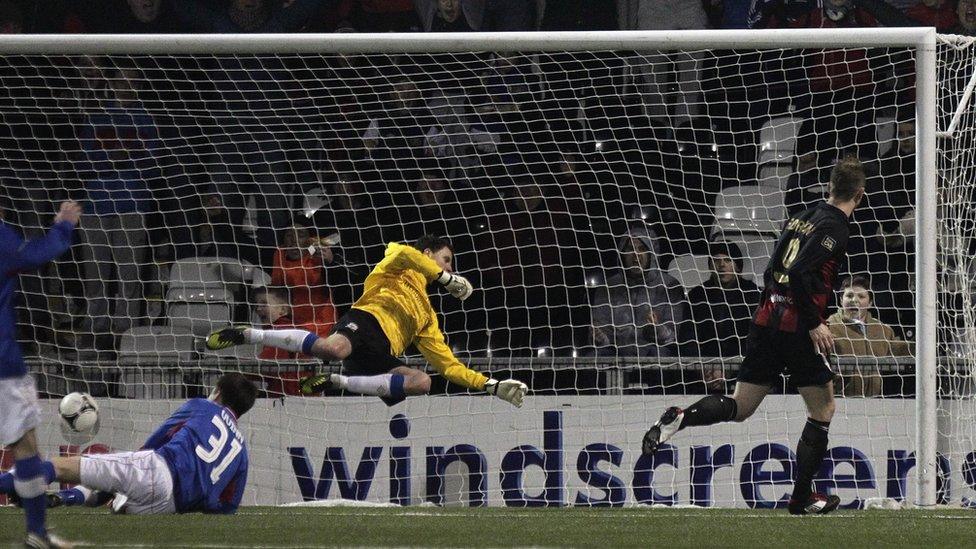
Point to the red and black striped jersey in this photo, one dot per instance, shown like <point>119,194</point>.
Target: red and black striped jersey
<point>803,269</point>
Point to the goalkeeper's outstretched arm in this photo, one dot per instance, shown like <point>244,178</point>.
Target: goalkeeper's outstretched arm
<point>431,344</point>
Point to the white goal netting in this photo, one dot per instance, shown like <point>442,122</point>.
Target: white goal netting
<point>614,209</point>
<point>957,270</point>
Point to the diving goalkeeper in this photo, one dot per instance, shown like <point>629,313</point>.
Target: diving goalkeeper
<point>393,313</point>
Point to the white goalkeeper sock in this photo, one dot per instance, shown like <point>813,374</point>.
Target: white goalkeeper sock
<point>385,385</point>
<point>295,341</point>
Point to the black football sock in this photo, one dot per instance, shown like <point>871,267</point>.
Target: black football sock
<point>810,452</point>
<point>709,410</point>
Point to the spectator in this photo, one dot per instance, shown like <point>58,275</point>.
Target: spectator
<point>507,102</point>
<point>213,232</point>
<point>432,206</point>
<point>966,12</point>
<point>271,306</point>
<point>722,307</point>
<point>672,81</point>
<point>805,187</point>
<point>451,15</point>
<point>934,13</point>
<point>120,143</point>
<point>454,141</point>
<point>842,85</point>
<point>888,246</point>
<point>858,334</point>
<point>638,311</point>
<point>300,266</point>
<point>531,270</point>
<point>395,138</point>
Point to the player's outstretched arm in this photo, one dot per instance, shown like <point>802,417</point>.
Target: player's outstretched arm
<point>19,255</point>
<point>431,344</point>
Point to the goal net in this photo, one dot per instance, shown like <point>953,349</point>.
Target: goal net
<point>615,207</point>
<point>956,244</point>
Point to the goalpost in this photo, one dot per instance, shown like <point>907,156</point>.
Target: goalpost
<point>540,154</point>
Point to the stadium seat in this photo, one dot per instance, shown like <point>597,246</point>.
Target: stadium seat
<point>196,271</point>
<point>749,209</point>
<point>690,270</point>
<point>156,342</point>
<point>777,140</point>
<point>199,309</point>
<point>215,272</point>
<point>149,355</point>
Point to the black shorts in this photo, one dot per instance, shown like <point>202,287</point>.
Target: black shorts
<point>370,347</point>
<point>771,353</point>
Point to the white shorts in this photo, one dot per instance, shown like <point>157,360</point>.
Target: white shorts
<point>142,477</point>
<point>19,412</point>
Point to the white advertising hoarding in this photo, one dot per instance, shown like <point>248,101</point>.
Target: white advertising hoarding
<point>554,451</point>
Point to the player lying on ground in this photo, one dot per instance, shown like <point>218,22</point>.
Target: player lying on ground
<point>393,313</point>
<point>789,334</point>
<point>19,413</point>
<point>195,461</point>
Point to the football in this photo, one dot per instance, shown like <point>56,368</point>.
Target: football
<point>79,416</point>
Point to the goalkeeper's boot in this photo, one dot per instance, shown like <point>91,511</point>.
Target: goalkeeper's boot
<point>317,384</point>
<point>49,541</point>
<point>664,429</point>
<point>816,504</point>
<point>226,337</point>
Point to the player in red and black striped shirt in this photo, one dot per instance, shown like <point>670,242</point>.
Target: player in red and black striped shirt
<point>789,335</point>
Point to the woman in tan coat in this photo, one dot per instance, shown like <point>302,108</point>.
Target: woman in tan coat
<point>857,333</point>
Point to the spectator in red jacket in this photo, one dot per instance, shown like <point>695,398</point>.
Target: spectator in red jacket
<point>300,266</point>
<point>271,306</point>
<point>934,13</point>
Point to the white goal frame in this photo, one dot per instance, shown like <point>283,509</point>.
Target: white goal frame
<point>923,40</point>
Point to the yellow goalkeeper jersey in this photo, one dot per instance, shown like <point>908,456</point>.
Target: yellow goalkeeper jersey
<point>395,293</point>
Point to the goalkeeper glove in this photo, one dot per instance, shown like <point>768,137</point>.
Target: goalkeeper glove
<point>509,390</point>
<point>456,284</point>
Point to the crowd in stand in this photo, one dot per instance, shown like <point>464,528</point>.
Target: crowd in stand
<point>542,169</point>
<point>222,16</point>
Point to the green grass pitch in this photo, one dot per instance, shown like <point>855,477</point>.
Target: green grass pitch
<point>505,527</point>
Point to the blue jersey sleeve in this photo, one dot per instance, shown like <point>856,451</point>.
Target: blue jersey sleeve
<point>165,432</point>
<point>17,254</point>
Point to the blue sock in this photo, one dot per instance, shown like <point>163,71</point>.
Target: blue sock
<point>73,496</point>
<point>397,395</point>
<point>30,485</point>
<point>307,343</point>
<point>396,387</point>
<point>7,483</point>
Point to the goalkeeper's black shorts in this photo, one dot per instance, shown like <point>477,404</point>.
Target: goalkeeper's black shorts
<point>370,347</point>
<point>771,353</point>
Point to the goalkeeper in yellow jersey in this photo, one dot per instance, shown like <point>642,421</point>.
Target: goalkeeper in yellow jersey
<point>393,313</point>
